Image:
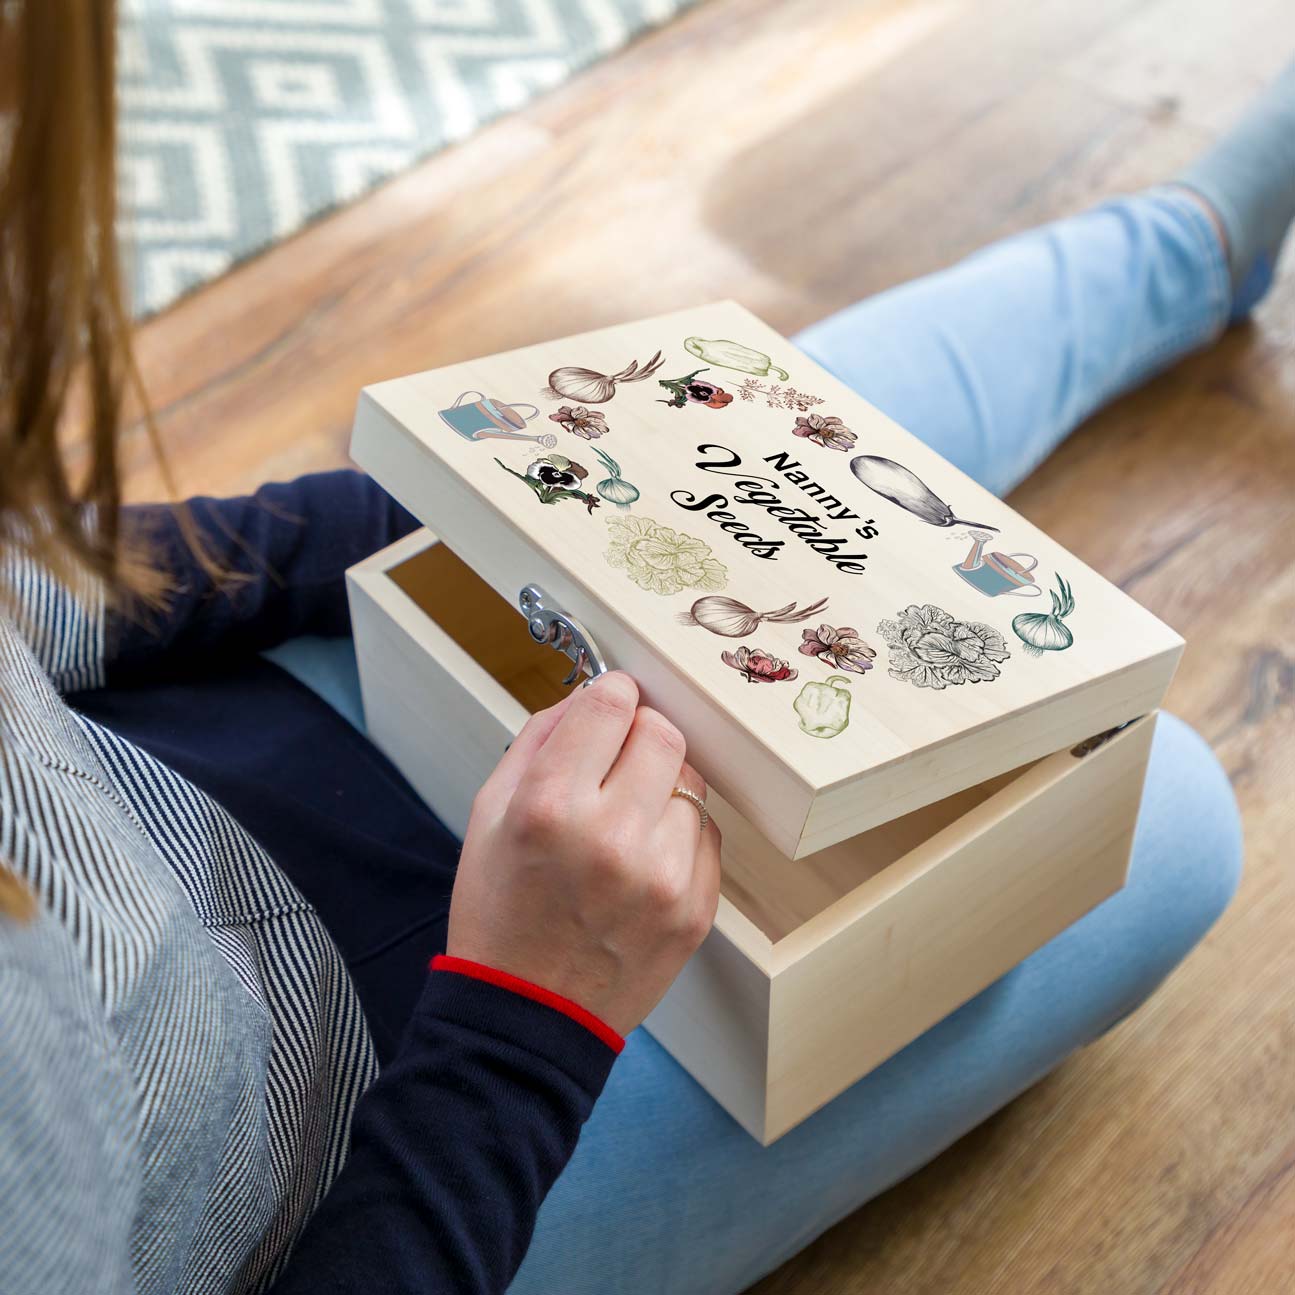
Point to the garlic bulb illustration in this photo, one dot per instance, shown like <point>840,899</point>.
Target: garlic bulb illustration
<point>733,355</point>
<point>1042,632</point>
<point>615,489</point>
<point>735,620</point>
<point>589,387</point>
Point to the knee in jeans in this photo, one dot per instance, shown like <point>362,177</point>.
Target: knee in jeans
<point>1190,810</point>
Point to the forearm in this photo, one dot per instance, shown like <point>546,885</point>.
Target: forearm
<point>454,1148</point>
<point>287,548</point>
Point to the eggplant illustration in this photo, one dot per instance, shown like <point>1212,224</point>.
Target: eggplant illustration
<point>895,482</point>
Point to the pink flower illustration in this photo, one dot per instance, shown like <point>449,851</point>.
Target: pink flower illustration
<point>588,424</point>
<point>829,432</point>
<point>757,666</point>
<point>841,649</point>
<point>682,390</point>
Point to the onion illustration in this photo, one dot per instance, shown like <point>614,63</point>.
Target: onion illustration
<point>589,387</point>
<point>735,620</point>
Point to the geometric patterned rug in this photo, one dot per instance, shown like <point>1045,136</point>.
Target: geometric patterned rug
<point>242,120</point>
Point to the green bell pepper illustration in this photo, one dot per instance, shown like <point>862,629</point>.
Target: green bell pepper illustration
<point>732,355</point>
<point>824,708</point>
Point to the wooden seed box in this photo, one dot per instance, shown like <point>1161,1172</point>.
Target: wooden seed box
<point>924,723</point>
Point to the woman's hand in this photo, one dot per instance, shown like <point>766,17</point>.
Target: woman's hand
<point>580,872</point>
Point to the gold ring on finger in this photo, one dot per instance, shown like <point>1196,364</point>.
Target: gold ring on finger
<point>696,802</point>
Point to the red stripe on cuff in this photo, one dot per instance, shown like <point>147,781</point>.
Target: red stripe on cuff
<point>537,993</point>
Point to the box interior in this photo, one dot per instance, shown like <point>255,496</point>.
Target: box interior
<point>776,893</point>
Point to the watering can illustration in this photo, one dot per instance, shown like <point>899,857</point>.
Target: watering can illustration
<point>998,573</point>
<point>486,419</point>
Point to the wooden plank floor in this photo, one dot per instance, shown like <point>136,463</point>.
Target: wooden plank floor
<point>797,154</point>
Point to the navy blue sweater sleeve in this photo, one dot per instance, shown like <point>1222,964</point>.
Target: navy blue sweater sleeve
<point>453,1148</point>
<point>290,543</point>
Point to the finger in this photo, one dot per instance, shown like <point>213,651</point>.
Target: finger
<point>647,767</point>
<point>706,877</point>
<point>680,814</point>
<point>590,733</point>
<point>690,780</point>
<point>525,746</point>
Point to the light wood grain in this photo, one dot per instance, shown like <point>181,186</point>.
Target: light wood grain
<point>905,746</point>
<point>433,709</point>
<point>816,970</point>
<point>898,953</point>
<point>885,140</point>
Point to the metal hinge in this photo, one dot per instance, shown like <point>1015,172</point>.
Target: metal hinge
<point>548,623</point>
<point>1089,745</point>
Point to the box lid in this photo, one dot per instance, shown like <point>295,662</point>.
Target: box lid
<point>844,626</point>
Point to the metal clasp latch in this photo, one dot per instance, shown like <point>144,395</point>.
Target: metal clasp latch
<point>550,624</point>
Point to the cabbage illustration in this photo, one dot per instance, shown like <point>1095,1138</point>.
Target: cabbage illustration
<point>660,559</point>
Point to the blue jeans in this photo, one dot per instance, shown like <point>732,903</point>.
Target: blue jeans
<point>993,363</point>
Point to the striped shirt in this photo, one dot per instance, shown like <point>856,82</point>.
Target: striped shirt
<point>184,1061</point>
<point>207,1046</point>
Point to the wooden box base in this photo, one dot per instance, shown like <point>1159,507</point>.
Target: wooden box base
<point>818,969</point>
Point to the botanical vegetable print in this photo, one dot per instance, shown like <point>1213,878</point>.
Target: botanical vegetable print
<point>823,709</point>
<point>927,646</point>
<point>732,355</point>
<point>895,482</point>
<point>1047,633</point>
<point>590,387</point>
<point>662,560</point>
<point>929,649</point>
<point>735,620</point>
<point>615,489</point>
